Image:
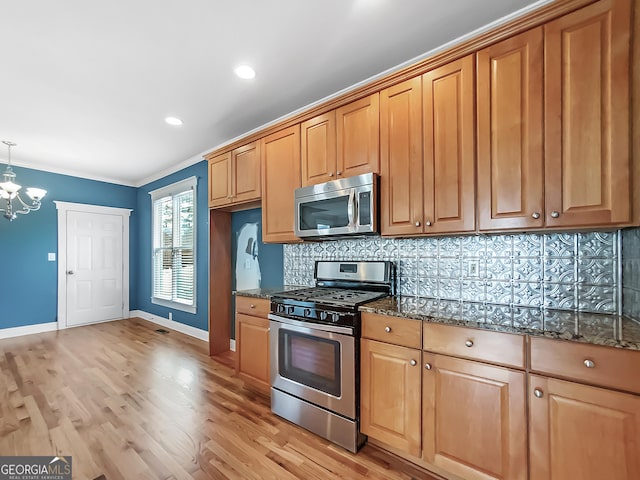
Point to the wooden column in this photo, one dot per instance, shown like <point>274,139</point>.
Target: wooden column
<point>219,281</point>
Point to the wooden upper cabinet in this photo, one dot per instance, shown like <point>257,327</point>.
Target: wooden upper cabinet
<point>401,158</point>
<point>280,153</point>
<point>318,137</point>
<point>474,419</point>
<point>449,152</point>
<point>390,395</point>
<point>357,129</point>
<point>577,431</point>
<point>509,106</point>
<point>588,174</point>
<point>234,177</point>
<point>220,180</point>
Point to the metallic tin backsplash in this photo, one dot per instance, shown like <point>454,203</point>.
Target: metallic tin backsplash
<point>520,279</point>
<point>631,273</point>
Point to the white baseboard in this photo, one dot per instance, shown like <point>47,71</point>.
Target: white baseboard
<point>172,324</point>
<point>232,345</point>
<point>28,330</point>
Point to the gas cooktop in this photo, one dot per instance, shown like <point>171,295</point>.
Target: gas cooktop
<point>331,296</point>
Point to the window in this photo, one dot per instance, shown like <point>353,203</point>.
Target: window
<point>173,262</point>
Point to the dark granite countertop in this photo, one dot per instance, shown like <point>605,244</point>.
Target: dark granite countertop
<point>266,293</point>
<point>597,329</point>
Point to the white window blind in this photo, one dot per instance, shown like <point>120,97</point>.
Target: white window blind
<point>174,262</point>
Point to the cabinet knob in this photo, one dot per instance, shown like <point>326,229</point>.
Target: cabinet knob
<point>427,223</point>
<point>252,306</point>
<point>469,343</point>
<point>338,172</point>
<point>417,224</point>
<point>538,393</point>
<point>589,363</point>
<point>387,329</point>
<point>555,214</point>
<point>427,366</point>
<point>536,215</point>
<point>413,363</point>
<point>331,174</point>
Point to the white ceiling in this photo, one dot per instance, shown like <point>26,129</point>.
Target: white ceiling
<point>86,85</point>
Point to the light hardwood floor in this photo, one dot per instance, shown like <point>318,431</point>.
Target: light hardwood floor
<point>129,403</point>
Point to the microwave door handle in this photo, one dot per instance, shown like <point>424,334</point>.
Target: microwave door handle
<point>351,208</point>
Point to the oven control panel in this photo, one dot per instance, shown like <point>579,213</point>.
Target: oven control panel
<point>310,313</point>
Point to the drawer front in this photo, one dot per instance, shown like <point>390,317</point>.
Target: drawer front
<point>258,307</point>
<point>594,364</point>
<point>389,329</point>
<point>483,345</point>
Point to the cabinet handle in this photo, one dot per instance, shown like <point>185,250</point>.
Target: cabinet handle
<point>469,343</point>
<point>427,223</point>
<point>555,214</point>
<point>331,174</point>
<point>387,329</point>
<point>589,363</point>
<point>252,306</point>
<point>427,366</point>
<point>535,215</point>
<point>338,172</point>
<point>413,363</point>
<point>417,224</point>
<point>538,393</point>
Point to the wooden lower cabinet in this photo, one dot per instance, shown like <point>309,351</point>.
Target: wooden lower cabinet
<point>579,431</point>
<point>390,395</point>
<point>474,419</point>
<point>252,350</point>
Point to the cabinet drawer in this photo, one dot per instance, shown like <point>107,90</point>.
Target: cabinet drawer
<point>258,307</point>
<point>598,365</point>
<point>400,331</point>
<point>483,345</point>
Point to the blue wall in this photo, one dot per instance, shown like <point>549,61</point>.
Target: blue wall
<point>269,255</point>
<point>28,292</point>
<point>143,209</point>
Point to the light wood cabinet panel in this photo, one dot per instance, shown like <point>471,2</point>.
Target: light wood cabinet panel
<point>390,395</point>
<point>234,177</point>
<point>256,307</point>
<point>401,179</point>
<point>220,180</point>
<point>474,419</point>
<point>252,347</point>
<point>318,137</point>
<point>280,177</point>
<point>449,152</point>
<point>358,125</point>
<point>577,431</point>
<point>390,329</point>
<point>510,162</point>
<point>587,174</point>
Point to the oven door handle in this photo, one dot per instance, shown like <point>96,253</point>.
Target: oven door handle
<point>311,326</point>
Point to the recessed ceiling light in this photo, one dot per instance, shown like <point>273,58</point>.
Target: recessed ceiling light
<point>175,121</point>
<point>245,71</point>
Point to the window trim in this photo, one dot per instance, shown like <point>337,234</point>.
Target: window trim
<point>171,190</point>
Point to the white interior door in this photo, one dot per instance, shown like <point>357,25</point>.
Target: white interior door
<point>94,268</point>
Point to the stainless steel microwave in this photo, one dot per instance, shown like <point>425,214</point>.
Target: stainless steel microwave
<point>347,206</point>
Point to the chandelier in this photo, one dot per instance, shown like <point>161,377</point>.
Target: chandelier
<point>10,202</point>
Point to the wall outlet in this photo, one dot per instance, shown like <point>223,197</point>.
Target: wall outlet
<point>170,315</point>
<point>51,256</point>
<point>473,268</point>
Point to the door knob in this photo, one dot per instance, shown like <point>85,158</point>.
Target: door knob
<point>331,174</point>
<point>427,223</point>
<point>427,366</point>
<point>555,214</point>
<point>417,224</point>
<point>413,363</point>
<point>338,172</point>
<point>70,272</point>
<point>538,393</point>
<point>535,215</point>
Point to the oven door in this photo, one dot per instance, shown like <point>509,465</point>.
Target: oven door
<point>313,364</point>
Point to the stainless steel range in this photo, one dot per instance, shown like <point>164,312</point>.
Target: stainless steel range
<point>314,348</point>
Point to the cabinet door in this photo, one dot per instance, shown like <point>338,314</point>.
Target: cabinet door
<point>252,346</point>
<point>220,180</point>
<point>577,431</point>
<point>390,395</point>
<point>358,125</point>
<point>280,177</point>
<point>318,137</point>
<point>449,153</point>
<point>474,419</point>
<point>401,158</point>
<point>245,162</point>
<point>587,170</point>
<point>510,168</point>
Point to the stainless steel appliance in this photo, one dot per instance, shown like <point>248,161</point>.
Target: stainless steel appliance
<point>314,348</point>
<point>341,207</point>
